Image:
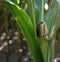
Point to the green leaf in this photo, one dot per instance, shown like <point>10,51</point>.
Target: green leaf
<point>32,12</point>
<point>44,45</point>
<point>26,25</point>
<point>39,10</point>
<point>15,1</point>
<point>51,47</point>
<point>52,15</point>
<point>58,3</point>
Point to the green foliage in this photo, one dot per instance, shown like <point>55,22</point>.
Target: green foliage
<point>51,23</point>
<point>16,1</point>
<point>32,12</point>
<point>42,49</point>
<point>39,10</point>
<point>22,20</point>
<point>59,5</point>
<point>52,15</point>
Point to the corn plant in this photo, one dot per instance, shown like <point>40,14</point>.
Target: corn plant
<point>37,27</point>
<point>58,33</point>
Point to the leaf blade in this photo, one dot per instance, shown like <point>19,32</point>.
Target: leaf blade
<point>39,10</point>
<point>52,15</point>
<point>26,25</point>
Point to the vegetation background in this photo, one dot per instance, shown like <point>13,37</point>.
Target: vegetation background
<point>13,45</point>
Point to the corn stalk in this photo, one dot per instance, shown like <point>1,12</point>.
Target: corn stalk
<point>42,44</point>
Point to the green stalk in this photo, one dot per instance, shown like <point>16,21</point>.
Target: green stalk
<point>39,10</point>
<point>32,12</point>
<point>42,11</point>
<point>51,47</point>
<point>48,53</point>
